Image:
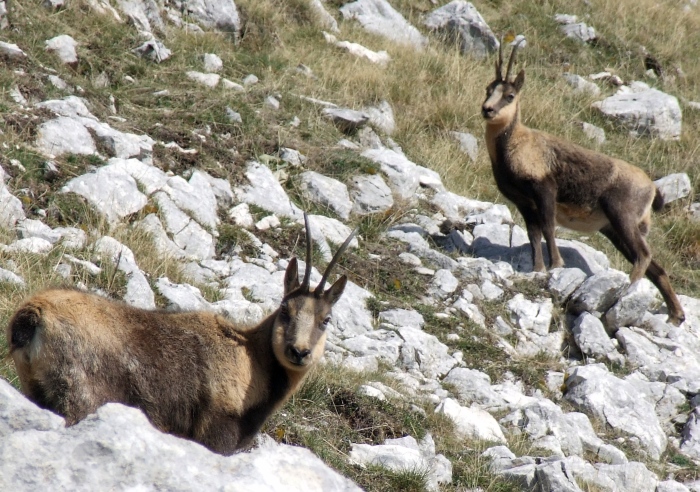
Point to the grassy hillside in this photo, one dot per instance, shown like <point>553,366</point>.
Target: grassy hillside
<point>432,93</point>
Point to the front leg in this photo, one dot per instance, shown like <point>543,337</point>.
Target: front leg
<point>534,233</point>
<point>545,198</point>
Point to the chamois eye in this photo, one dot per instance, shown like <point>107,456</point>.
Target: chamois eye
<point>326,321</point>
<point>510,97</point>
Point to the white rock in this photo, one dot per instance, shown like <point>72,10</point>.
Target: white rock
<point>405,177</point>
<point>250,79</point>
<point>110,190</point>
<point>471,423</point>
<point>529,315</point>
<point>153,50</point>
<point>443,284</point>
<point>9,277</point>
<point>265,191</point>
<point>327,192</point>
<point>181,297</point>
<point>616,403</point>
<point>240,214</point>
<point>593,340</point>
<point>460,21</point>
<point>221,15</point>
<point>674,187</point>
<point>326,20</point>
<point>468,143</point>
<point>370,195</point>
<point>269,222</point>
<point>644,111</point>
<point>11,209</point>
<point>402,317</point>
<point>594,133</point>
<point>35,228</point>
<point>207,79</point>
<point>380,18</point>
<point>11,50</point>
<point>630,309</point>
<point>212,63</point>
<point>64,46</point>
<point>381,117</point>
<point>347,120</point>
<point>424,352</point>
<point>64,136</point>
<point>581,85</point>
<point>599,292</point>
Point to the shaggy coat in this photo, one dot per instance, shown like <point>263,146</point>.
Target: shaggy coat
<point>552,181</point>
<point>194,374</point>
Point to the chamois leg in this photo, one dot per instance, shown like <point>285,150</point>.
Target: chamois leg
<point>534,233</point>
<point>631,236</point>
<point>546,204</point>
<point>222,435</point>
<point>656,274</point>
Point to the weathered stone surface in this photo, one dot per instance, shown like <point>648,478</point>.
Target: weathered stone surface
<point>443,284</point>
<point>644,111</point>
<point>324,230</point>
<point>64,47</point>
<point>325,19</point>
<point>674,187</point>
<point>425,353</point>
<point>326,191</point>
<point>593,340</point>
<point>599,292</point>
<point>630,309</point>
<point>370,195</point>
<point>468,143</point>
<point>460,21</point>
<point>265,191</point>
<point>471,423</point>
<point>405,177</point>
<point>380,18</point>
<point>402,317</point>
<point>64,136</point>
<point>581,85</point>
<point>564,281</point>
<point>11,50</point>
<point>347,120</point>
<point>153,50</point>
<point>115,449</point>
<point>11,209</point>
<point>214,14</point>
<point>406,454</point>
<point>381,117</point>
<point>595,133</point>
<point>616,402</point>
<point>181,297</point>
<point>212,63</point>
<point>210,80</point>
<point>381,58</point>
<point>574,29</point>
<point>110,190</point>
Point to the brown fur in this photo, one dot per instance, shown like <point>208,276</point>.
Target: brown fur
<point>194,374</point>
<point>552,181</point>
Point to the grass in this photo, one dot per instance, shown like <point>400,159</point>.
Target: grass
<point>432,93</point>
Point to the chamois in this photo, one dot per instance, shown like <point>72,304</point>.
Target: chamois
<point>553,181</point>
<point>194,374</point>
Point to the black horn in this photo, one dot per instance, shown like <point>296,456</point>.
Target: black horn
<point>512,58</point>
<point>307,272</point>
<point>336,257</point>
<point>499,62</point>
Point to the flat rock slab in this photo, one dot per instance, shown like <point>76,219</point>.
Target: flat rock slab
<point>118,449</point>
<point>380,18</point>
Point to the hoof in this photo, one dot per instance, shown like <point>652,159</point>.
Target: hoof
<point>676,320</point>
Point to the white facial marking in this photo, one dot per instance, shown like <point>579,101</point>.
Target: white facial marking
<point>495,97</point>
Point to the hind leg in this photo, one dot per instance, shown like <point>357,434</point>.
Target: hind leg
<point>656,274</point>
<point>629,240</point>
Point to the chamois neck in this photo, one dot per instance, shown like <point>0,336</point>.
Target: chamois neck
<point>500,131</point>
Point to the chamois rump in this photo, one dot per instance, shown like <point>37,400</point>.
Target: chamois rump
<point>553,181</point>
<point>194,374</point>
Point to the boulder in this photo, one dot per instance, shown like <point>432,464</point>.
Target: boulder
<point>380,18</point>
<point>460,21</point>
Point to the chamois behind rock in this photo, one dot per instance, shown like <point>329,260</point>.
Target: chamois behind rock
<point>194,374</point>
<point>551,180</point>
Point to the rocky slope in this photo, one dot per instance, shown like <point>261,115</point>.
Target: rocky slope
<point>613,406</point>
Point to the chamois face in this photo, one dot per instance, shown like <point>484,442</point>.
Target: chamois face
<point>501,104</point>
<point>299,333</point>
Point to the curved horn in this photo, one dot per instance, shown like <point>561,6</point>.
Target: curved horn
<point>307,273</point>
<point>336,257</point>
<point>499,62</point>
<point>512,58</point>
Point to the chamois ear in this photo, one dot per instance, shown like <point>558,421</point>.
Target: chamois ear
<point>291,277</point>
<point>336,290</point>
<point>519,80</point>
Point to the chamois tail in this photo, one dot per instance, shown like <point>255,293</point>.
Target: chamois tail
<point>658,202</point>
<point>23,327</point>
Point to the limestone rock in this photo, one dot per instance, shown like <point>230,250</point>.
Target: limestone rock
<point>471,423</point>
<point>347,120</point>
<point>64,47</point>
<point>370,195</point>
<point>326,191</point>
<point>644,111</point>
<point>380,18</point>
<point>674,187</point>
<point>460,21</point>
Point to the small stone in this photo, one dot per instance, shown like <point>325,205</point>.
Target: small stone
<point>674,187</point>
<point>250,80</point>
<point>272,102</point>
<point>230,85</point>
<point>208,79</point>
<point>64,46</point>
<point>271,221</point>
<point>594,133</point>
<point>233,116</point>
<point>212,63</point>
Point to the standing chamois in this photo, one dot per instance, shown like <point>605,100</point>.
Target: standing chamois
<point>554,181</point>
<point>194,374</point>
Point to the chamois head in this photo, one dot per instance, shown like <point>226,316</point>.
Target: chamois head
<point>501,104</point>
<point>299,332</point>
